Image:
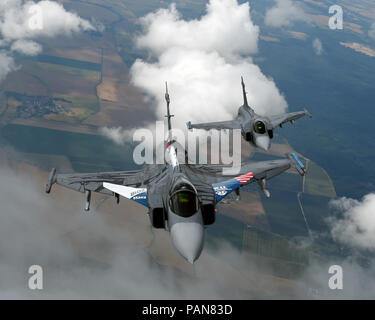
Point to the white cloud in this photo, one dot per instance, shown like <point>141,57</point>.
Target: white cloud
<point>215,31</point>
<point>22,23</point>
<point>356,227</point>
<point>203,69</point>
<point>318,46</point>
<point>117,134</point>
<point>284,14</point>
<point>371,32</point>
<point>6,65</point>
<point>19,20</point>
<point>26,47</point>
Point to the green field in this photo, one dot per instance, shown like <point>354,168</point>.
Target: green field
<point>67,62</point>
<point>86,152</point>
<point>71,71</point>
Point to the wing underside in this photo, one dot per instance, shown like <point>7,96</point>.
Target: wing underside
<point>287,117</point>
<point>94,181</point>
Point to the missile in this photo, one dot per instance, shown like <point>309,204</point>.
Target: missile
<point>88,200</point>
<point>262,184</point>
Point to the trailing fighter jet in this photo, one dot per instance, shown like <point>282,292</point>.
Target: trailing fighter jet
<point>256,129</point>
<point>181,198</point>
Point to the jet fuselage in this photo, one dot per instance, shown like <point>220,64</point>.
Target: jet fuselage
<point>254,128</point>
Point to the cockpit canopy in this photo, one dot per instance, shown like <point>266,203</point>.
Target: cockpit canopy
<point>259,127</point>
<point>183,200</point>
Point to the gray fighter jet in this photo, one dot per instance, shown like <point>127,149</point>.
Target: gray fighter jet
<point>181,198</point>
<point>256,129</point>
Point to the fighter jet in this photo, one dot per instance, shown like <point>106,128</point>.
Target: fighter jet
<point>256,129</point>
<point>180,197</point>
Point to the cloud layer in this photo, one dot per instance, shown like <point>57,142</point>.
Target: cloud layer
<point>102,255</point>
<point>203,69</point>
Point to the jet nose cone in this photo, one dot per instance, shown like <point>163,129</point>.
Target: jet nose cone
<point>263,142</point>
<point>188,238</point>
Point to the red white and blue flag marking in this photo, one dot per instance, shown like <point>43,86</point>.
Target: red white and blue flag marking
<point>222,189</point>
<point>245,178</point>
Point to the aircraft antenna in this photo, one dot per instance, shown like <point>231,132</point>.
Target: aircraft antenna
<point>244,93</point>
<point>169,115</point>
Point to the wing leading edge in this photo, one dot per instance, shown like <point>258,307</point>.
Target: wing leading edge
<point>222,189</point>
<point>136,194</point>
<point>256,171</point>
<point>279,120</point>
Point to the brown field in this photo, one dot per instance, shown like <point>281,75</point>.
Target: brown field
<point>121,103</point>
<point>267,38</point>
<point>359,48</point>
<point>22,81</point>
<point>298,35</point>
<point>248,210</point>
<point>107,90</point>
<point>353,27</point>
<point>82,54</point>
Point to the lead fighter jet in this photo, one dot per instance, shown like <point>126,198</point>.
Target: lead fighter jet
<point>256,129</point>
<point>181,198</point>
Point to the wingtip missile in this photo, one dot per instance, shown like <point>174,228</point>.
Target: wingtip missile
<point>263,186</point>
<point>51,180</point>
<point>88,200</point>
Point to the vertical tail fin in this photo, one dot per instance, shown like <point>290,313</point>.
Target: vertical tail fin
<point>167,94</point>
<point>244,93</point>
